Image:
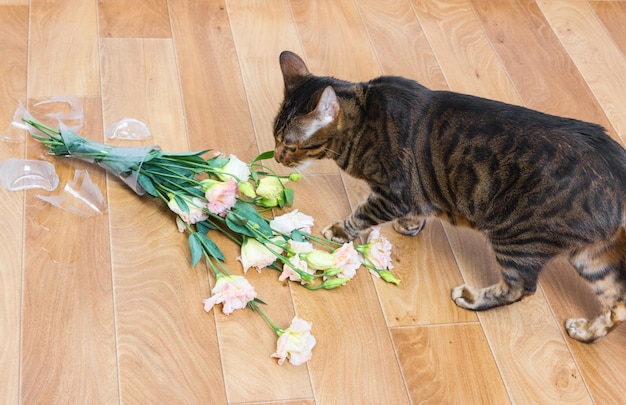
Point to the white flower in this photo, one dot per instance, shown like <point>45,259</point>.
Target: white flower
<point>377,251</point>
<point>234,168</point>
<point>295,343</point>
<point>234,292</point>
<point>257,254</point>
<point>195,205</point>
<point>286,223</point>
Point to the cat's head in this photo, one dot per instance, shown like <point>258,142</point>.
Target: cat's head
<point>307,116</point>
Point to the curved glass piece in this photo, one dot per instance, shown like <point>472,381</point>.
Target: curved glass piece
<point>21,174</point>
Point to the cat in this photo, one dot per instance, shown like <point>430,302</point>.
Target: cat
<point>536,185</point>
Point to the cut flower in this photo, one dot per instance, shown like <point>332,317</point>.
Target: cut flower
<point>291,221</point>
<point>295,343</point>
<point>233,292</point>
<point>257,254</point>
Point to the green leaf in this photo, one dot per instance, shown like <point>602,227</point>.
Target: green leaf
<point>196,249</point>
<point>218,161</point>
<point>204,227</point>
<point>236,224</point>
<point>297,236</point>
<point>145,183</point>
<point>195,192</point>
<point>210,247</point>
<point>181,203</point>
<point>289,195</point>
<point>264,156</point>
<point>255,220</point>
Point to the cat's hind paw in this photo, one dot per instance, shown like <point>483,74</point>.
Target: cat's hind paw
<point>465,296</point>
<point>582,330</point>
<point>336,233</point>
<point>409,226</point>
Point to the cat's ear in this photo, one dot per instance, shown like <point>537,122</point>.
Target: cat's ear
<point>293,69</point>
<point>327,107</point>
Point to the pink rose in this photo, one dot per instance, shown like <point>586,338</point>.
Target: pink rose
<point>295,343</point>
<point>221,195</point>
<point>234,292</point>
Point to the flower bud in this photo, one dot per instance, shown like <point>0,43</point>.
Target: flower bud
<point>388,277</point>
<point>295,177</point>
<point>246,189</point>
<point>320,260</point>
<point>332,272</point>
<point>334,283</point>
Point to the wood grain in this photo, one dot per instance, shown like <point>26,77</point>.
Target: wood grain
<point>599,60</point>
<point>528,346</point>
<point>63,49</point>
<point>165,339</point>
<point>63,275</point>
<point>400,43</point>
<point>14,48</point>
<point>216,110</point>
<point>444,365</point>
<point>464,53</point>
<point>133,19</point>
<point>522,38</point>
<point>611,13</point>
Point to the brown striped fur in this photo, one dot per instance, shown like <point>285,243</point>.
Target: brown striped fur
<point>538,186</point>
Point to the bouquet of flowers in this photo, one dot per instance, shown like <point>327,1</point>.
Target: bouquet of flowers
<point>222,193</point>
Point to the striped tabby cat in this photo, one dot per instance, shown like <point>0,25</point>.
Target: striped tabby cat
<point>536,185</point>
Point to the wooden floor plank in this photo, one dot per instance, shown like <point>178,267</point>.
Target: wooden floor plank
<point>67,291</point>
<point>399,42</point>
<point>522,37</point>
<point>612,15</point>
<point>165,339</point>
<point>216,109</point>
<point>63,46</point>
<point>599,60</point>
<point>133,19</point>
<point>13,68</point>
<point>570,296</point>
<point>529,348</point>
<point>352,58</point>
<point>459,44</point>
<point>425,264</point>
<point>448,365</point>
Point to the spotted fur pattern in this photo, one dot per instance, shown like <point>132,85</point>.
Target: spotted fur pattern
<point>538,186</point>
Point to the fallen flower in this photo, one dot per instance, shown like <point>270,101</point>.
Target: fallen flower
<point>233,292</point>
<point>295,343</point>
<point>221,195</point>
<point>377,251</point>
<point>256,254</point>
<point>291,221</point>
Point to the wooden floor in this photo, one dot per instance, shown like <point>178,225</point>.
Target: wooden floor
<point>107,309</point>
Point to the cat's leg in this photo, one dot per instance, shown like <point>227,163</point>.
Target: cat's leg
<point>519,278</point>
<point>409,225</point>
<point>604,266</point>
<point>377,209</point>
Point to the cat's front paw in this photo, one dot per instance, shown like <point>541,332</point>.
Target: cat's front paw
<point>336,233</point>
